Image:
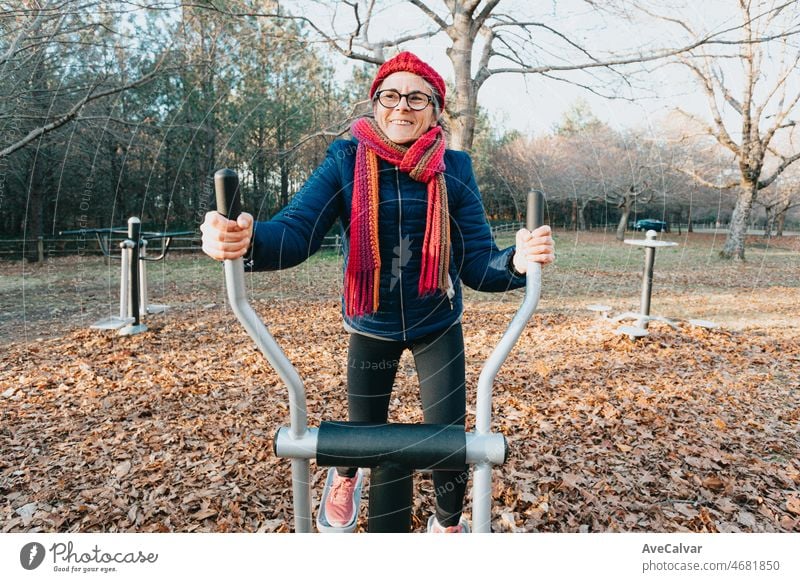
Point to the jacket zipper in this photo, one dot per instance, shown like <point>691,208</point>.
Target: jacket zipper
<point>400,242</point>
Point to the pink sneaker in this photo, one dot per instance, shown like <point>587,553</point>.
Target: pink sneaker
<point>435,527</point>
<point>341,498</point>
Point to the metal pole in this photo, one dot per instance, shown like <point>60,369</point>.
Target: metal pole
<point>143,300</point>
<point>134,234</point>
<point>124,279</point>
<point>301,495</point>
<point>647,280</point>
<point>482,498</point>
<point>482,482</point>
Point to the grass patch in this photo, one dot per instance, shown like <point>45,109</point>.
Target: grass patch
<point>690,281</point>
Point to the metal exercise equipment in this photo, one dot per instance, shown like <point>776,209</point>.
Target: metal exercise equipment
<point>643,317</point>
<point>392,451</point>
<point>133,298</point>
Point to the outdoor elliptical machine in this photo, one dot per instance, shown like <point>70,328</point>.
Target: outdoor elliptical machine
<point>392,451</point>
<point>133,297</point>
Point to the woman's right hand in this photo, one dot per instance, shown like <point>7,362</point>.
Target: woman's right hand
<point>226,239</point>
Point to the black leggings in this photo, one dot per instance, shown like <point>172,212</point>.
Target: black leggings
<point>439,359</point>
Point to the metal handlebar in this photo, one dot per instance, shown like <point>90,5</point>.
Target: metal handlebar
<point>226,186</point>
<point>533,283</point>
<point>482,486</point>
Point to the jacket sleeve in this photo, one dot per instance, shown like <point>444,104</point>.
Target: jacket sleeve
<point>297,231</point>
<point>481,265</point>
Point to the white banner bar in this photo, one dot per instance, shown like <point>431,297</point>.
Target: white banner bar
<point>388,557</point>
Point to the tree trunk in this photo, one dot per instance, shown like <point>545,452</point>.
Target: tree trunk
<point>283,166</point>
<point>623,220</point>
<point>209,133</point>
<point>734,243</point>
<point>574,214</point>
<point>770,212</point>
<point>582,216</point>
<point>35,214</point>
<point>464,102</point>
<point>623,225</point>
<point>780,220</point>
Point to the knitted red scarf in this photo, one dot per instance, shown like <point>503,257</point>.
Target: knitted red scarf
<point>424,162</point>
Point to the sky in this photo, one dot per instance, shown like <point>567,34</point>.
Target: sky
<point>534,104</point>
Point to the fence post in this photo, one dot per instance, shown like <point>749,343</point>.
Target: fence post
<point>40,248</point>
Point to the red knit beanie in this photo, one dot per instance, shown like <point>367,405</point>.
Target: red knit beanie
<point>410,63</point>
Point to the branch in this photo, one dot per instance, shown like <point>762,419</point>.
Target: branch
<point>722,135</point>
<point>483,63</point>
<point>588,88</point>
<point>330,41</point>
<point>485,13</point>
<point>12,49</point>
<point>703,182</point>
<point>430,14</point>
<point>779,84</point>
<point>525,25</point>
<point>76,109</point>
<point>779,121</point>
<point>709,39</point>
<point>785,164</point>
<point>335,130</point>
<point>143,123</point>
<point>333,41</point>
<point>728,96</point>
<point>367,19</point>
<point>468,6</point>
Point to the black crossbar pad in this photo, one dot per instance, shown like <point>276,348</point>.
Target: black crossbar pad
<point>535,215</point>
<point>226,187</point>
<point>417,446</point>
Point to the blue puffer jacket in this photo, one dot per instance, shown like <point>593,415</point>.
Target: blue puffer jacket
<point>298,230</point>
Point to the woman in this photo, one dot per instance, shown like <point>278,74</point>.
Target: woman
<point>414,227</point>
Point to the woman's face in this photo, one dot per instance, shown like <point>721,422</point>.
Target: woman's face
<point>401,124</point>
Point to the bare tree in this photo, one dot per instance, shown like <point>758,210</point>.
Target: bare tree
<point>42,35</point>
<point>777,201</point>
<point>750,82</point>
<point>589,163</point>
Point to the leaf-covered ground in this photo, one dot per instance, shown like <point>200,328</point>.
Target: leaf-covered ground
<point>169,431</point>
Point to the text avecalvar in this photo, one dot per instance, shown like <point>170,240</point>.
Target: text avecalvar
<point>671,549</point>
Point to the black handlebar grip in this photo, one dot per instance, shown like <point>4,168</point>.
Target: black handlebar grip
<point>535,216</point>
<point>226,186</point>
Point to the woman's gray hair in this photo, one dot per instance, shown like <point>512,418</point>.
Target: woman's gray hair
<point>437,108</point>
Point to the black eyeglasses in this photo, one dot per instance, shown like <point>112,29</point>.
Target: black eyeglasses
<point>417,100</point>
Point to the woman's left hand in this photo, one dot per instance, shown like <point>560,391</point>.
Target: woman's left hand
<point>536,246</point>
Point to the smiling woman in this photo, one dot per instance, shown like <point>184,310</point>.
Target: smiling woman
<point>395,188</point>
